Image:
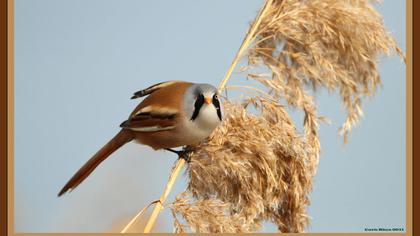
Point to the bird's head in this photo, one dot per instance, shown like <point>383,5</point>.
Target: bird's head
<point>202,106</point>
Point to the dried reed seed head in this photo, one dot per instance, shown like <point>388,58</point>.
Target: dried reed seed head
<point>208,215</point>
<point>250,166</point>
<point>322,43</point>
<point>256,167</point>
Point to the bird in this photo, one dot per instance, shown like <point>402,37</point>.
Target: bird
<point>173,114</point>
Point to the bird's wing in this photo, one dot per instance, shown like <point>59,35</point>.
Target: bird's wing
<point>151,119</point>
<point>153,88</point>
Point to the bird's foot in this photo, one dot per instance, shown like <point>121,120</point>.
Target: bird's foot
<point>174,151</point>
<point>184,154</point>
<point>189,149</point>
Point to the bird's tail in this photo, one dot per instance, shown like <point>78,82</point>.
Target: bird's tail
<point>119,140</point>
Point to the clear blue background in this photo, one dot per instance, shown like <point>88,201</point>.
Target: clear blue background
<point>78,62</point>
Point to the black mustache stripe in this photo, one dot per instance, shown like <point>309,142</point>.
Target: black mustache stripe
<point>216,104</point>
<point>197,106</point>
<point>199,103</point>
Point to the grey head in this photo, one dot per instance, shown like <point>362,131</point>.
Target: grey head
<point>198,96</point>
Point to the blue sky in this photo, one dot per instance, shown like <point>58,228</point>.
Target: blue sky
<point>78,62</point>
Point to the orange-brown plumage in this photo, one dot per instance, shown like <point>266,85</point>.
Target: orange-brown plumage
<point>176,89</point>
<point>159,121</point>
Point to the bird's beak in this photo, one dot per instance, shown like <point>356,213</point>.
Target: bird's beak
<point>208,100</point>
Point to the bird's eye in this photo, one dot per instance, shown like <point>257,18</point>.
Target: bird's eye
<point>215,97</point>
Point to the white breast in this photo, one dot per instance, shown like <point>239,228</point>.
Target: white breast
<point>204,124</point>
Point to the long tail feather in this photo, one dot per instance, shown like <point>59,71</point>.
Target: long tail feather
<point>119,140</point>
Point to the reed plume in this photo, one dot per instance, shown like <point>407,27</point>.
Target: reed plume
<point>256,166</point>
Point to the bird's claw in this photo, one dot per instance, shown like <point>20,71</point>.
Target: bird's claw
<point>184,154</point>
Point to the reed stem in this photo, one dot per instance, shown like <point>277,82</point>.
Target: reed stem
<point>250,35</point>
<point>159,205</point>
<point>134,220</point>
